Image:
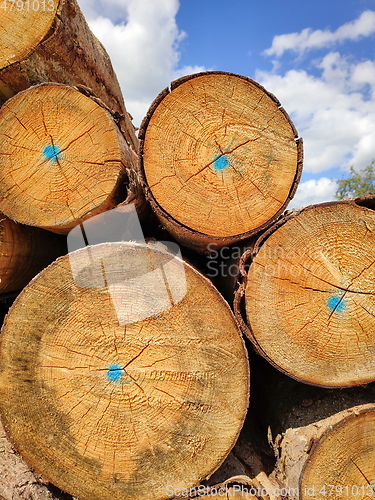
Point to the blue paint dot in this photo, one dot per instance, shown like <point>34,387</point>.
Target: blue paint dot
<point>336,304</point>
<point>51,153</point>
<point>220,163</point>
<point>114,373</point>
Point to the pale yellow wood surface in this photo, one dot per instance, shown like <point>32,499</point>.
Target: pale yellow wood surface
<point>342,463</point>
<point>110,411</point>
<point>23,25</point>
<point>219,156</point>
<point>310,296</point>
<point>62,158</point>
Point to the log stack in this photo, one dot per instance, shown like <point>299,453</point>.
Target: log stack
<point>123,371</point>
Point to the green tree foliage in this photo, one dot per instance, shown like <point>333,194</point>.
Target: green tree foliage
<point>357,184</point>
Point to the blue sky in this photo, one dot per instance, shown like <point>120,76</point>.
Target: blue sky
<point>317,57</point>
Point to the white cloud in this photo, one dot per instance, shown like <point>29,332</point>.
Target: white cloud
<point>313,191</point>
<point>364,73</point>
<point>308,39</point>
<point>142,40</point>
<point>334,113</point>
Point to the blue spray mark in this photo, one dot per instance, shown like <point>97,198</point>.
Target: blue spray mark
<point>220,163</point>
<point>114,373</point>
<point>336,304</point>
<point>52,153</point>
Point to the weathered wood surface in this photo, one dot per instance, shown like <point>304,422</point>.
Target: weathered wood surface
<point>116,382</point>
<point>306,299</point>
<point>18,482</point>
<point>63,159</point>
<point>220,159</point>
<point>54,44</point>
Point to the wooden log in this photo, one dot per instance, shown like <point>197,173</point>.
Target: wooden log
<point>330,458</point>
<point>50,41</point>
<point>307,299</point>
<point>63,159</point>
<point>24,252</point>
<point>220,159</point>
<point>123,376</point>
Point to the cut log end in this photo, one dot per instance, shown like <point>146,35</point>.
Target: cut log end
<point>63,158</point>
<point>309,295</point>
<point>111,393</point>
<point>342,459</point>
<point>23,25</point>
<point>219,155</point>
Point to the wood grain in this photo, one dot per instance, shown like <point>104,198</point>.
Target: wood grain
<point>220,158</point>
<point>111,411</point>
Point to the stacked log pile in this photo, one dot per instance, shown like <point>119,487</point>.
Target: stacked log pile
<point>124,373</point>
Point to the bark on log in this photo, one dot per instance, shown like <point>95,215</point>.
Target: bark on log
<point>24,252</point>
<point>53,43</point>
<point>307,299</point>
<point>123,371</point>
<point>63,159</point>
<point>220,159</point>
<point>330,458</point>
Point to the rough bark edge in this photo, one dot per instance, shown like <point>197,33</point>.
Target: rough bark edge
<point>162,249</point>
<point>18,482</point>
<point>20,74</point>
<point>185,235</point>
<point>367,201</point>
